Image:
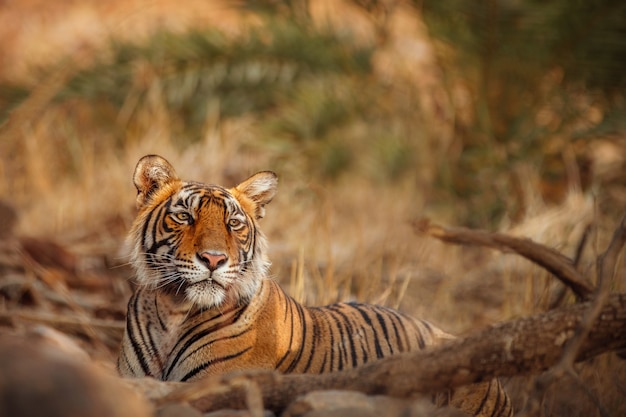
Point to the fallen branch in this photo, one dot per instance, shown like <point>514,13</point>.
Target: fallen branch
<point>517,347</point>
<point>75,323</point>
<point>556,263</point>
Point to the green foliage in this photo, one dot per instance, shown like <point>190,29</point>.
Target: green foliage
<point>304,86</point>
<point>507,39</point>
<point>248,74</point>
<point>10,96</point>
<point>522,61</point>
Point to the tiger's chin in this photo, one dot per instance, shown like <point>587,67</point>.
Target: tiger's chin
<point>209,294</point>
<point>206,294</point>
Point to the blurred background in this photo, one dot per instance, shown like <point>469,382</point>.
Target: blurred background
<point>505,115</point>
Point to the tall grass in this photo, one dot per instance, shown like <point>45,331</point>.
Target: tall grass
<point>366,134</point>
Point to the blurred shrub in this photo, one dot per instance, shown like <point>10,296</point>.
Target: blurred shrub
<point>527,81</point>
<point>311,92</point>
<point>245,74</point>
<point>543,79</point>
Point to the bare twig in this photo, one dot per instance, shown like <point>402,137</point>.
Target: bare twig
<point>606,270</point>
<point>556,263</point>
<point>560,295</point>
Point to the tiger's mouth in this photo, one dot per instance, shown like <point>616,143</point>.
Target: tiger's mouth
<point>184,286</point>
<point>206,284</point>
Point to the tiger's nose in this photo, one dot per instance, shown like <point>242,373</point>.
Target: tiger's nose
<point>213,260</point>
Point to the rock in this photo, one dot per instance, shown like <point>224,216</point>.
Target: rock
<point>344,403</point>
<point>177,410</point>
<point>354,404</point>
<point>38,380</point>
<point>425,408</point>
<point>328,401</point>
<point>237,413</point>
<point>42,335</point>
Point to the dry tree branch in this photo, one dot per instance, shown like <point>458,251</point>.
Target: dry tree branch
<point>115,327</point>
<point>565,270</point>
<point>556,263</point>
<point>109,331</point>
<point>605,268</point>
<point>517,347</point>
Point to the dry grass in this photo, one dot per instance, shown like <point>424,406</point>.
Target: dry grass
<point>346,239</point>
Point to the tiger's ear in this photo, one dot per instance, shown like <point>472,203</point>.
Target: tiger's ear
<point>151,174</point>
<point>261,189</point>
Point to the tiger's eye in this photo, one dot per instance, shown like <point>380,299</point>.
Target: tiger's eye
<point>181,216</point>
<point>234,223</point>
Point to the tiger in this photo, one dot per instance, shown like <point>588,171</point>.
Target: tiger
<point>204,303</point>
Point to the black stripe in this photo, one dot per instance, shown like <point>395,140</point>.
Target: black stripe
<point>350,331</point>
<point>288,307</point>
<point>358,307</point>
<point>322,314</point>
<point>485,398</point>
<point>123,357</point>
<point>313,347</point>
<point>418,333</point>
<point>499,405</point>
<point>192,329</point>
<point>131,336</point>
<point>197,336</point>
<point>381,321</point>
<point>207,344</point>
<point>163,213</point>
<point>341,346</point>
<point>296,360</point>
<point>405,335</point>
<point>364,343</point>
<point>156,308</point>
<point>155,350</point>
<point>323,362</point>
<point>147,337</point>
<point>507,401</point>
<point>396,318</point>
<point>428,326</point>
<point>240,312</point>
<point>144,230</point>
<point>205,365</point>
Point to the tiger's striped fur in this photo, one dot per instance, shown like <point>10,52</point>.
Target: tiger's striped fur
<point>205,305</point>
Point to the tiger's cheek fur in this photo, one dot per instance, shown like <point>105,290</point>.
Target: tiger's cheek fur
<point>168,253</point>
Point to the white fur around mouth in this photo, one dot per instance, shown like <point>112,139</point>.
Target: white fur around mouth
<point>207,283</point>
<point>206,293</point>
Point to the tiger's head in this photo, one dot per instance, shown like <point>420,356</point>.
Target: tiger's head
<point>197,240</point>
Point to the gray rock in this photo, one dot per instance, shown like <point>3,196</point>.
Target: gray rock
<point>237,413</point>
<point>345,403</point>
<point>178,410</point>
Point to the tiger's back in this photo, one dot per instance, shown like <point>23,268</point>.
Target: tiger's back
<point>274,332</point>
<point>206,307</point>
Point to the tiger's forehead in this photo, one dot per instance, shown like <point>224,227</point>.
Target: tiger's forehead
<point>195,195</point>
